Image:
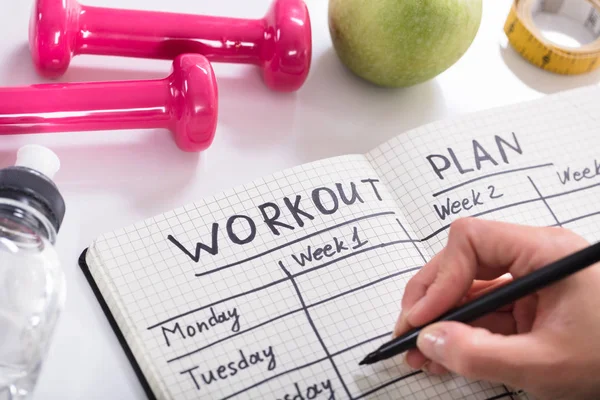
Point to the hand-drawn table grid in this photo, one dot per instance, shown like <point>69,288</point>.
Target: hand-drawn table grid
<point>338,361</point>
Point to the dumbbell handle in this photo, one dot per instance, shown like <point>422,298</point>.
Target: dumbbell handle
<point>84,106</point>
<point>145,34</point>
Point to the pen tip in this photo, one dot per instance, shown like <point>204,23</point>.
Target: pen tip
<point>369,359</point>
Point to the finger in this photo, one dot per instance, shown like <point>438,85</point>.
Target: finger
<point>524,313</point>
<point>414,290</point>
<point>481,287</point>
<point>498,247</point>
<point>415,359</point>
<point>516,249</point>
<point>418,284</point>
<point>456,270</point>
<point>435,368</point>
<point>478,354</point>
<point>499,322</point>
<point>477,289</point>
<point>502,323</point>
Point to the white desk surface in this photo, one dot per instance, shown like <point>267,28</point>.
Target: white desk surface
<point>111,179</point>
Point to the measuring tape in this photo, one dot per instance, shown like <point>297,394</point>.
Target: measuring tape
<point>527,39</point>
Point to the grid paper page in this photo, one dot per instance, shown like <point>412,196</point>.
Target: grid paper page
<point>535,163</point>
<point>296,278</point>
<point>246,309</point>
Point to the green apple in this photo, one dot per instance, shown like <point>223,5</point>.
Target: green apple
<point>398,43</point>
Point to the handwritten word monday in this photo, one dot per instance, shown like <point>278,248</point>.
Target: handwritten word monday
<point>289,214</point>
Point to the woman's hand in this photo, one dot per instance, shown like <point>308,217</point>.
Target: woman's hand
<point>547,344</point>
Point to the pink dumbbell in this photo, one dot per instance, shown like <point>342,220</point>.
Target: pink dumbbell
<point>280,42</point>
<point>184,102</point>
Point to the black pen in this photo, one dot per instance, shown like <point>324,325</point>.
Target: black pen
<point>495,299</point>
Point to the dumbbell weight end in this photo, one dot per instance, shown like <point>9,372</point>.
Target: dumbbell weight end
<point>185,102</point>
<point>280,43</point>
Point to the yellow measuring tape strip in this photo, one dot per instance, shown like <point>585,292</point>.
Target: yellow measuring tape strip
<point>525,37</point>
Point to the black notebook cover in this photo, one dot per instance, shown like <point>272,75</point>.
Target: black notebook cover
<point>115,326</point>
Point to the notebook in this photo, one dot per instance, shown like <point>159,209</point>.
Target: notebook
<point>278,288</point>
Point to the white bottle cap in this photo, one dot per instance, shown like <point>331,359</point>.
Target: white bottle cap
<point>38,158</point>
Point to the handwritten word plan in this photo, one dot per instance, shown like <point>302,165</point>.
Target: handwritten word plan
<point>278,289</point>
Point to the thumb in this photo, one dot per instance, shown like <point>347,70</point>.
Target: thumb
<point>478,354</point>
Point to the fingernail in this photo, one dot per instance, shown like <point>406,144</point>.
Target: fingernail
<point>425,367</point>
<point>400,325</point>
<point>436,369</point>
<point>432,343</point>
<point>416,307</point>
<point>405,361</point>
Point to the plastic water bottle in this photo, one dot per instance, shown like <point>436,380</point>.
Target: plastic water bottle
<point>32,287</point>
